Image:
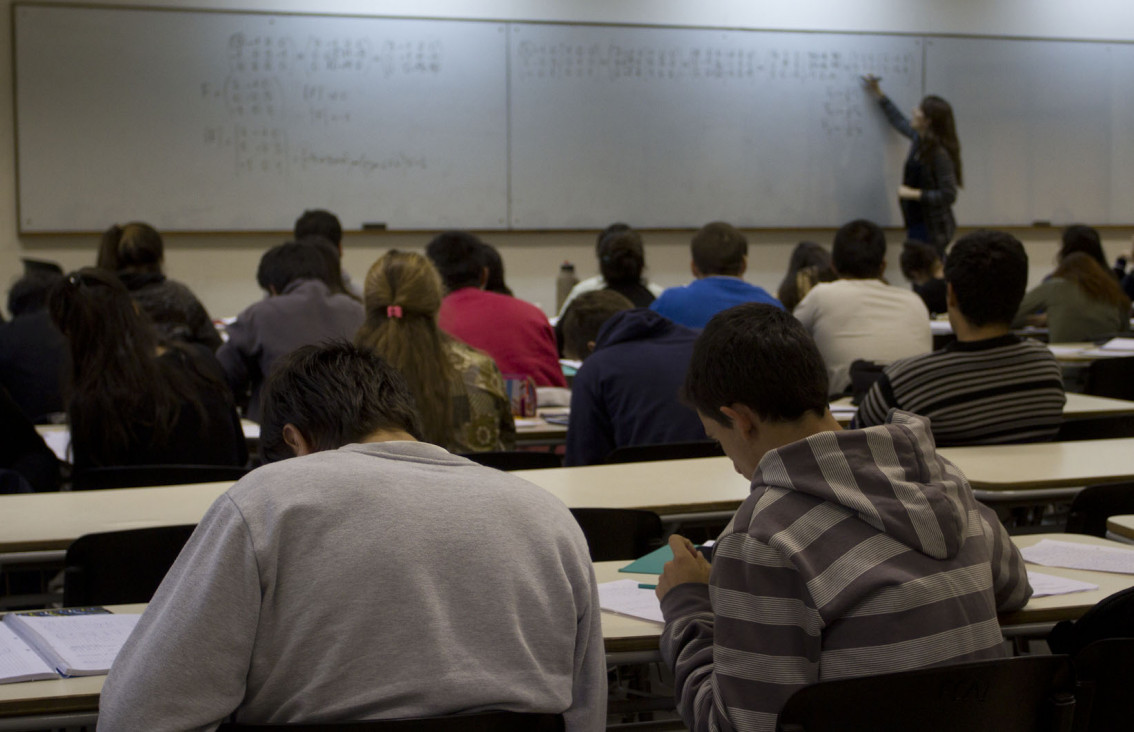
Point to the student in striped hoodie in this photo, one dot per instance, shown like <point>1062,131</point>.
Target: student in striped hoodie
<point>857,552</point>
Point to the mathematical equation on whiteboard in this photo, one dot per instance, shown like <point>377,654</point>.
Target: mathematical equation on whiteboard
<point>280,88</point>
<point>835,74</point>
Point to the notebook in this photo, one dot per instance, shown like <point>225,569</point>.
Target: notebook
<point>47,644</point>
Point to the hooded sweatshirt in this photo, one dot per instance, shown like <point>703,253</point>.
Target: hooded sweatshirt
<point>626,392</point>
<point>857,553</point>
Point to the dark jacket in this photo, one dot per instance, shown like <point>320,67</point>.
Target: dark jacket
<point>173,308</point>
<point>34,364</point>
<point>936,179</point>
<point>626,392</point>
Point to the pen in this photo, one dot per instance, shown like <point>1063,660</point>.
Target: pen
<point>643,586</point>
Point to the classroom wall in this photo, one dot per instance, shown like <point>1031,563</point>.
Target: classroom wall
<point>221,268</point>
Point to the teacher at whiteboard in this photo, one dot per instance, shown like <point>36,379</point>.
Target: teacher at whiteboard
<point>932,172</point>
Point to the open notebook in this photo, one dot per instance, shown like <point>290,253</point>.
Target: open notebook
<point>47,644</point>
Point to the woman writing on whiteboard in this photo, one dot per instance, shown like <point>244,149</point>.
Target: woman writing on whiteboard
<point>932,172</point>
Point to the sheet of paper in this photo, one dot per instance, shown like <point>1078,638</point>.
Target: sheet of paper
<point>18,662</point>
<point>626,598</point>
<point>60,442</point>
<point>1073,555</point>
<point>1104,353</point>
<point>84,644</point>
<point>1118,344</point>
<point>1044,585</point>
<point>1058,350</point>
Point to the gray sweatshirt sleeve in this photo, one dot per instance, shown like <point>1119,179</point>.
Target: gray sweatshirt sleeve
<point>588,702</point>
<point>185,665</point>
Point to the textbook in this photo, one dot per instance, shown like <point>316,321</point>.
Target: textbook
<point>47,644</point>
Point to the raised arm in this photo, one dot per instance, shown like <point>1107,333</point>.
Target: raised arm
<point>897,120</point>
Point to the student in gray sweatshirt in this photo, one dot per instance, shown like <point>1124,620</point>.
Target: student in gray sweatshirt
<point>857,552</point>
<point>369,575</point>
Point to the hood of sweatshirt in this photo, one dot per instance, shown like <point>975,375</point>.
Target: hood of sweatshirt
<point>637,324</point>
<point>889,477</point>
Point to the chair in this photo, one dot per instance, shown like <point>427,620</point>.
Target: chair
<point>1024,694</point>
<point>516,460</point>
<point>1111,377</point>
<point>619,533</point>
<point>1093,505</point>
<point>1104,676</point>
<point>1095,428</point>
<point>664,451</point>
<point>479,722</point>
<point>1111,617</point>
<point>118,567</point>
<point>135,476</point>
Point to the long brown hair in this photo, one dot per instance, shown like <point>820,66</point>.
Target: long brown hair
<point>1096,282</point>
<point>940,129</point>
<point>402,297</point>
<point>135,247</point>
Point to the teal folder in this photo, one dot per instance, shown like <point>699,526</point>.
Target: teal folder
<point>652,563</point>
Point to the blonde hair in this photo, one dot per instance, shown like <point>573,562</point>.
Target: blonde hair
<point>403,294</point>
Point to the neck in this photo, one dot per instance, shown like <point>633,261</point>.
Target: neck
<point>785,433</point>
<point>385,435</point>
<point>966,331</point>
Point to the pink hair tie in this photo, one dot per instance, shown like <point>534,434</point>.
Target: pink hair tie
<point>393,311</point>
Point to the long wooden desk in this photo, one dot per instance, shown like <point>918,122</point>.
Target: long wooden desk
<point>1077,406</point>
<point>1122,526</point>
<point>44,704</point>
<point>1044,465</point>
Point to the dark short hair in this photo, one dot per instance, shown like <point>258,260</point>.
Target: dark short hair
<point>917,257</point>
<point>719,249</point>
<point>615,228</point>
<point>859,250</point>
<point>283,264</point>
<point>585,316</point>
<point>760,356</point>
<point>458,257</point>
<point>29,293</point>
<point>1085,239</point>
<point>318,222</point>
<point>988,271</point>
<point>335,394</point>
<point>623,258</point>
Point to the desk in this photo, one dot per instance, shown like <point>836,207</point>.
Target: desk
<point>58,437</point>
<point>1077,406</point>
<point>1122,526</point>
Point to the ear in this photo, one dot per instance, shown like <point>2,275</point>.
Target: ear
<point>483,277</point>
<point>272,290</point>
<point>743,266</point>
<point>696,272</point>
<point>295,440</point>
<point>950,296</point>
<point>743,419</point>
<point>882,271</point>
<point>590,347</point>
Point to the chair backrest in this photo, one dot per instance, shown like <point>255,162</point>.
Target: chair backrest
<point>1104,677</point>
<point>1111,617</point>
<point>1093,505</point>
<point>118,567</point>
<point>1024,694</point>
<point>619,533</point>
<point>135,476</point>
<point>479,722</point>
<point>1095,428</point>
<point>516,459</point>
<point>1111,377</point>
<point>665,451</point>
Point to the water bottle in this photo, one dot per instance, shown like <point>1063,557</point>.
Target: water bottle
<point>563,283</point>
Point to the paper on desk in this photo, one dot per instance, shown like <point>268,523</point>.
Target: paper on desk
<point>1058,350</point>
<point>1118,344</point>
<point>1044,585</point>
<point>1074,555</point>
<point>625,597</point>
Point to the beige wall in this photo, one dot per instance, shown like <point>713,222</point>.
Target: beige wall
<point>221,269</point>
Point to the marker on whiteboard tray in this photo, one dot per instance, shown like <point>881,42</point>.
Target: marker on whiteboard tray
<point>374,226</point>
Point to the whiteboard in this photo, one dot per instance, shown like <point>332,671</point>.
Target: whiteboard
<point>677,127</point>
<point>1045,128</point>
<point>226,121</point>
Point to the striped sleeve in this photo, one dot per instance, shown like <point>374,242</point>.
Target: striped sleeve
<point>1009,575</point>
<point>737,656</point>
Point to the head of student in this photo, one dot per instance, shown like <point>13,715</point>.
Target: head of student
<point>495,265</point>
<point>757,382</point>
<point>319,222</point>
<point>459,258</point>
<point>918,262</point>
<point>987,275</point>
<point>326,396</point>
<point>1095,280</point>
<point>719,249</point>
<point>133,247</point>
<point>584,318</point>
<point>1085,239</point>
<point>29,293</point>
<point>859,250</point>
<point>622,259</point>
<point>291,262</point>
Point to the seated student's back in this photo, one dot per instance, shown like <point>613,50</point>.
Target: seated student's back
<point>34,361</point>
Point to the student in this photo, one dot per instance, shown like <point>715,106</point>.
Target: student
<point>135,253</point>
<point>33,354</point>
<point>922,266</point>
<point>598,282</point>
<point>371,576</point>
<point>300,309</point>
<point>988,386</point>
<point>1081,301</point>
<point>1082,238</point>
<point>809,265</point>
<point>622,263</point>
<point>626,392</point>
<point>134,400</point>
<point>720,257</point>
<point>856,553</point>
<point>859,316</point>
<point>932,172</point>
<point>27,464</point>
<point>458,390</point>
<point>516,334</point>
<point>322,223</point>
<point>495,281</point>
